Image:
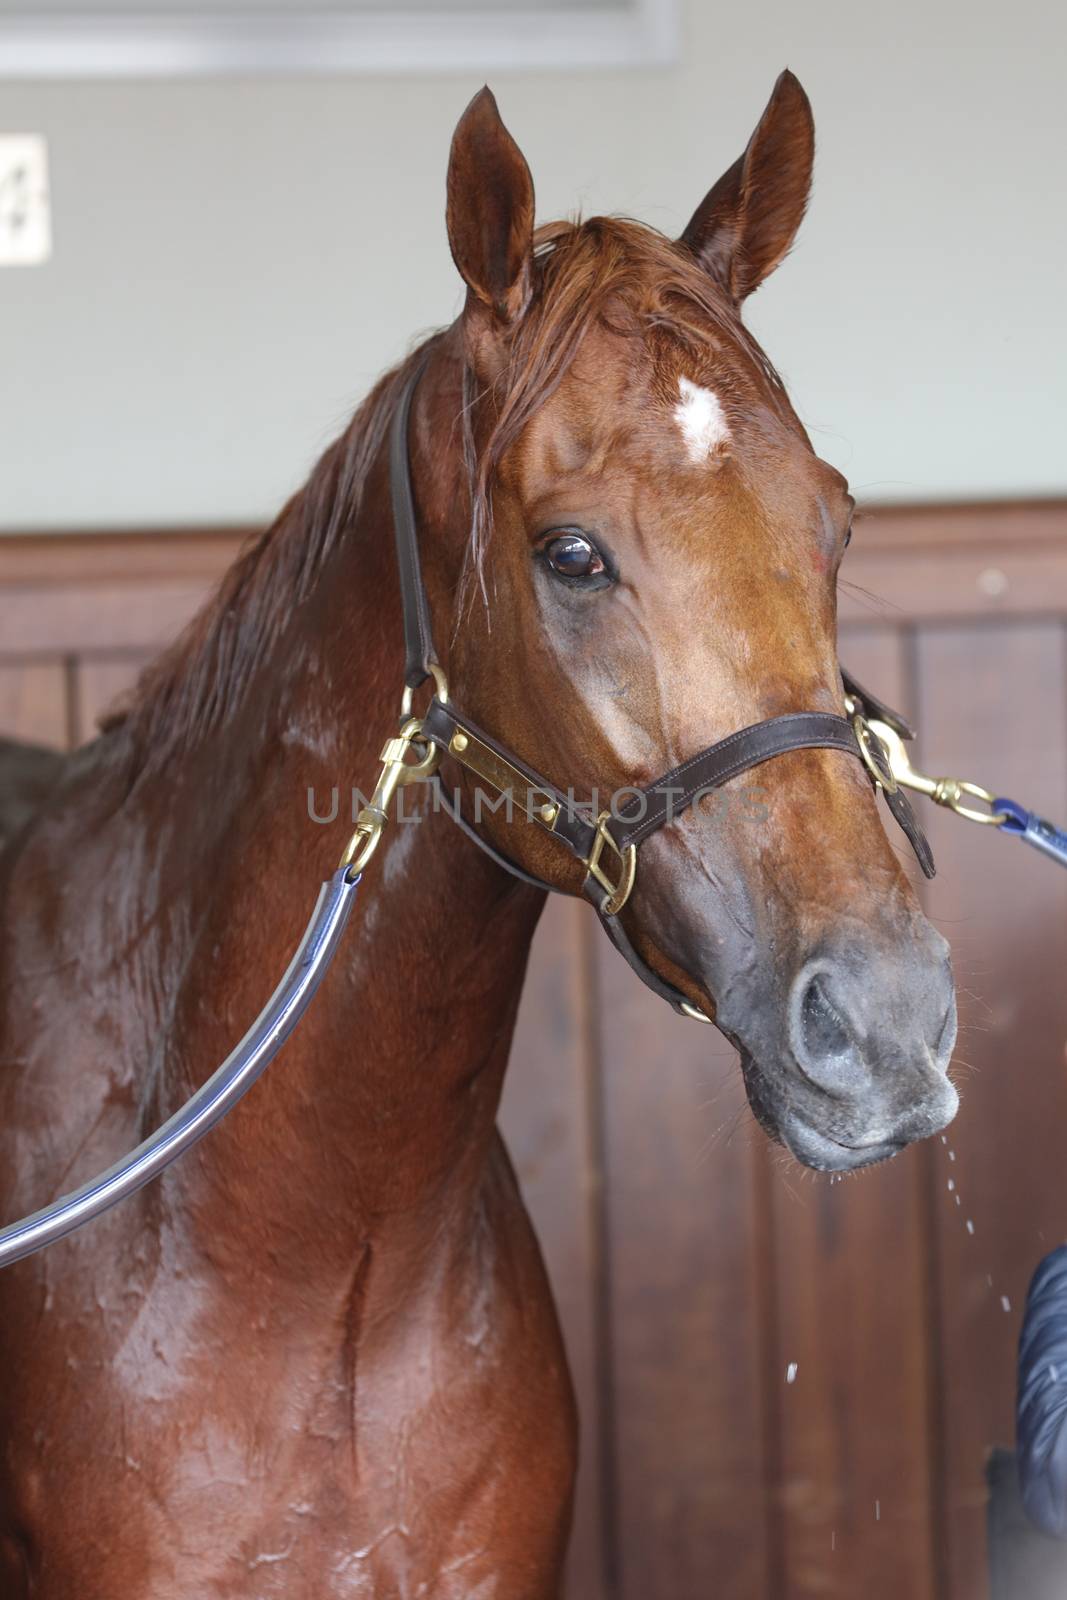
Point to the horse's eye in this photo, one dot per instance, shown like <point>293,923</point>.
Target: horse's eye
<point>573,557</point>
<point>848,537</point>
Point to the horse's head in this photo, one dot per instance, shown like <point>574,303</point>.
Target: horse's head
<point>657,546</point>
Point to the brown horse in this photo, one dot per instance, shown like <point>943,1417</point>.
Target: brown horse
<point>319,1357</point>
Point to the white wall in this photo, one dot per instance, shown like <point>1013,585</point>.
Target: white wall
<point>235,261</point>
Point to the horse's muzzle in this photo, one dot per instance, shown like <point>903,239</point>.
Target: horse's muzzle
<point>863,1068</point>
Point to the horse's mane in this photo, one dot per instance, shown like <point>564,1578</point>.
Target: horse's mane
<point>606,271</point>
<point>198,682</point>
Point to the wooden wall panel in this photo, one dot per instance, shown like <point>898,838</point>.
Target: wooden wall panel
<point>550,1099</point>
<point>937,583</point>
<point>122,616</point>
<point>690,1263</point>
<point>684,1221</point>
<point>33,702</point>
<point>993,706</point>
<point>851,1273</point>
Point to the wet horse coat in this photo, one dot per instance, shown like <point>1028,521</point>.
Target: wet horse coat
<point>319,1356</point>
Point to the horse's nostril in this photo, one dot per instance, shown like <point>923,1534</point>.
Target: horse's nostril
<point>946,1037</point>
<point>826,1046</point>
<point>823,1031</point>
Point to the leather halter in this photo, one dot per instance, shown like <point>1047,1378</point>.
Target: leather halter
<point>445,729</point>
<point>607,844</point>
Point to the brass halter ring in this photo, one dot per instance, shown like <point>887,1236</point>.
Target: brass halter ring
<point>871,747</point>
<point>440,687</point>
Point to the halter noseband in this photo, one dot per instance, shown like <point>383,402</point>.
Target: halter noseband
<point>607,844</point>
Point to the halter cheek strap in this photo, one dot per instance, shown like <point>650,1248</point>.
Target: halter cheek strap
<point>607,841</point>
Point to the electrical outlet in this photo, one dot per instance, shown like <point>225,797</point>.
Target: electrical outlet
<point>25,214</point>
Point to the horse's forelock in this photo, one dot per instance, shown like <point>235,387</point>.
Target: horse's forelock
<point>609,272</point>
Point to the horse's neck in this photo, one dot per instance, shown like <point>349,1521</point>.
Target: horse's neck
<point>383,1102</point>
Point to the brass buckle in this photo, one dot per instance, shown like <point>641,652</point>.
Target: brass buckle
<point>619,889</point>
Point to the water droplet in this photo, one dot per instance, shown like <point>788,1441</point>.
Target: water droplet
<point>970,1225</point>
<point>877,1511</point>
<point>952,1155</point>
<point>791,1372</point>
<point>951,1185</point>
<point>1005,1303</point>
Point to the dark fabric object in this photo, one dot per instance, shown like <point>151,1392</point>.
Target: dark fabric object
<point>1041,1402</point>
<point>28,774</point>
<point>1024,1564</point>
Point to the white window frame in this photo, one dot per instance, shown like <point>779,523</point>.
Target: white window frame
<point>151,44</point>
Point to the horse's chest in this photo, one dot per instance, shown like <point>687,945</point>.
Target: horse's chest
<point>183,1483</point>
<point>173,1453</point>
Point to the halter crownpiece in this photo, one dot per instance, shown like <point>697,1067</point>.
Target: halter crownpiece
<point>606,843</point>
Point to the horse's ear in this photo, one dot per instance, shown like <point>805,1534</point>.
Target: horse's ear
<point>491,210</point>
<point>746,223</point>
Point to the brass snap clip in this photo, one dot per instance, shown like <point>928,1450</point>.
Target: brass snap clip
<point>949,792</point>
<point>398,770</point>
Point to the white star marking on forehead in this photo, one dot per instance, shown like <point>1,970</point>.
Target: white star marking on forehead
<point>700,416</point>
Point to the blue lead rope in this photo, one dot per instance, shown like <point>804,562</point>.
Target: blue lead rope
<point>211,1102</point>
<point>1031,828</point>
